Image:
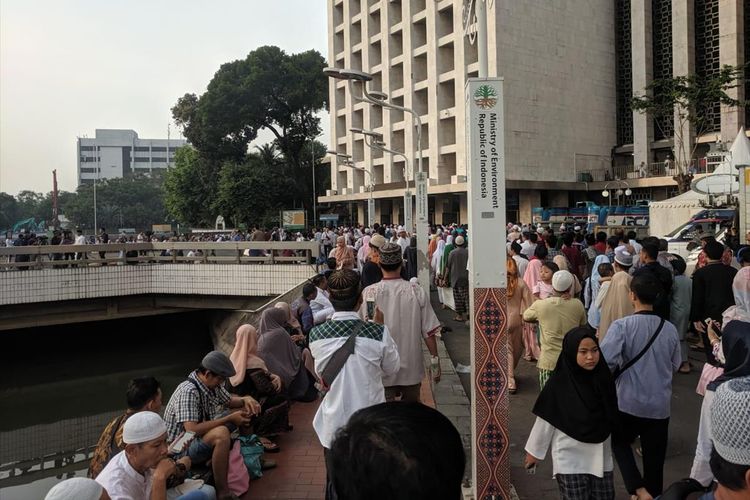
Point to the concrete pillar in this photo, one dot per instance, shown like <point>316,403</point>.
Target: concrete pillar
<point>683,63</point>
<point>378,211</point>
<point>731,52</point>
<point>439,205</point>
<point>396,213</point>
<point>642,60</point>
<point>527,199</point>
<point>463,210</point>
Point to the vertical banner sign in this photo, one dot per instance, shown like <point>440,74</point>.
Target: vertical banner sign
<point>485,168</point>
<point>423,266</point>
<point>408,219</point>
<point>370,211</point>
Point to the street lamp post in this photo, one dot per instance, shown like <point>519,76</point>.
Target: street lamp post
<point>607,193</point>
<point>381,99</point>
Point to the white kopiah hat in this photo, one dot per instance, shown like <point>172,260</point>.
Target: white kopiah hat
<point>143,426</point>
<point>76,488</point>
<point>730,421</point>
<point>562,281</point>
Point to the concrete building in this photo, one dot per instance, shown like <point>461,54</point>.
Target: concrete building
<point>120,153</point>
<point>569,72</point>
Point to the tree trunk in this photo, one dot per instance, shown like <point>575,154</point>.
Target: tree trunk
<point>683,181</point>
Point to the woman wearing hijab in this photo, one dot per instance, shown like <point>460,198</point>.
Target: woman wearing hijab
<point>292,326</point>
<point>531,278</point>
<point>283,357</point>
<point>343,254</point>
<point>437,256</point>
<point>733,351</point>
<point>591,292</point>
<point>363,252</point>
<point>519,298</point>
<point>409,269</point>
<point>252,378</point>
<point>432,246</point>
<point>447,292</point>
<point>576,414</point>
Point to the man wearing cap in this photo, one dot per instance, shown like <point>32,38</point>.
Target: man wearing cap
<point>409,316</point>
<point>556,315</point>
<point>371,272</point>
<point>616,303</point>
<point>730,429</point>
<point>359,383</point>
<point>458,277</point>
<point>644,350</point>
<point>403,239</point>
<point>77,488</point>
<point>199,405</point>
<point>141,470</point>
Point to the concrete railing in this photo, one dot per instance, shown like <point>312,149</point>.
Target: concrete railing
<point>230,252</point>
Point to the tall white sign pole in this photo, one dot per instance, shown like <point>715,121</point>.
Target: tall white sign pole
<point>485,127</point>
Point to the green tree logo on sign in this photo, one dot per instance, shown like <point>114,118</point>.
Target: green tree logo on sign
<point>485,97</point>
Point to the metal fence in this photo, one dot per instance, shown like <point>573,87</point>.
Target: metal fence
<point>230,252</point>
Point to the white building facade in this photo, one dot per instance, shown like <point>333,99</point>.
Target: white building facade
<point>120,153</point>
<point>569,68</point>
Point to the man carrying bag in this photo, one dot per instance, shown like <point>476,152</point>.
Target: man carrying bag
<point>359,353</point>
<point>643,351</point>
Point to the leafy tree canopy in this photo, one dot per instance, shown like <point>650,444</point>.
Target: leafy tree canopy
<point>269,89</point>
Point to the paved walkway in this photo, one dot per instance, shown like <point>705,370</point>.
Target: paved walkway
<point>301,471</point>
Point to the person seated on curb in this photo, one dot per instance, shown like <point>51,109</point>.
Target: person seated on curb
<point>397,450</point>
<point>199,405</point>
<point>143,394</point>
<point>141,470</point>
<point>77,488</point>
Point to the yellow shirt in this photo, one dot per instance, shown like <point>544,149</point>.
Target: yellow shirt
<point>556,317</point>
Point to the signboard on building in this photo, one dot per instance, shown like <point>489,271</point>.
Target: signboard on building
<point>161,228</point>
<point>293,219</point>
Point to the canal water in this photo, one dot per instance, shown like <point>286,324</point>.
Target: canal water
<point>61,385</point>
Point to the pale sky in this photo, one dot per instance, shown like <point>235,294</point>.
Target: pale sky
<point>68,67</point>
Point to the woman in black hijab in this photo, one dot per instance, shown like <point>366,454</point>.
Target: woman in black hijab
<point>576,414</point>
<point>409,269</point>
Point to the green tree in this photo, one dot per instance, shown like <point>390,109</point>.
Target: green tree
<point>190,188</point>
<point>136,202</point>
<point>270,90</point>
<point>686,100</point>
<point>9,212</point>
<point>252,192</point>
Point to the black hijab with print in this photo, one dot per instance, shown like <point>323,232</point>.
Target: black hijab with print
<point>581,403</point>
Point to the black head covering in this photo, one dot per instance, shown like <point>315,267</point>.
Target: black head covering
<point>735,342</point>
<point>579,402</point>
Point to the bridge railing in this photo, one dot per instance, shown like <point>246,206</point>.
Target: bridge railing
<point>229,252</point>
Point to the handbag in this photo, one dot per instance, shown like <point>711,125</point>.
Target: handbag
<point>238,478</point>
<point>252,451</point>
<point>619,371</point>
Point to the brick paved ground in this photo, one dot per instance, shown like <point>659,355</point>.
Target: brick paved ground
<point>301,472</point>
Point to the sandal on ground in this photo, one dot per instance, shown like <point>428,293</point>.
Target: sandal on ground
<point>457,318</point>
<point>512,389</point>
<point>266,464</point>
<point>269,446</point>
<point>685,368</point>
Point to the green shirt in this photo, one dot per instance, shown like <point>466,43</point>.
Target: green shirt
<point>556,317</point>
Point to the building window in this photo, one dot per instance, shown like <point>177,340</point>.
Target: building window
<point>662,57</point>
<point>142,148</point>
<point>624,72</point>
<point>141,160</point>
<point>159,149</point>
<point>707,61</point>
<point>87,148</point>
<point>88,170</point>
<point>158,159</point>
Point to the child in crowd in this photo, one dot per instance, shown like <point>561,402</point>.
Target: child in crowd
<point>543,288</point>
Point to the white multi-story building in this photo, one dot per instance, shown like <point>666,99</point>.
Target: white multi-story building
<point>120,153</point>
<point>569,69</point>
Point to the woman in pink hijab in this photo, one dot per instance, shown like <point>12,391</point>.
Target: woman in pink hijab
<point>252,378</point>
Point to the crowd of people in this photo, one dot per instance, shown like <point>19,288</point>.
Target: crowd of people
<point>608,320</point>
